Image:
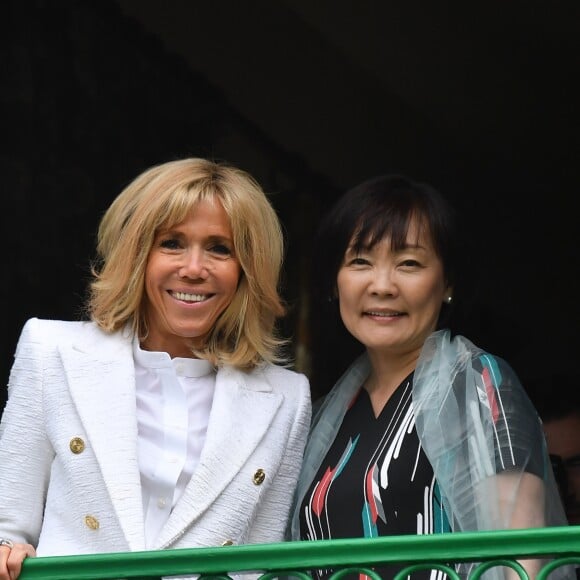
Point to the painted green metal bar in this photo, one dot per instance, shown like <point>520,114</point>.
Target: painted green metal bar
<point>271,559</point>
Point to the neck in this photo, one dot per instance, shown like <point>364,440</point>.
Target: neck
<point>387,373</point>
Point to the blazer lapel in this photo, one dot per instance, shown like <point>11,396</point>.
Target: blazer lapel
<point>101,377</point>
<point>241,413</point>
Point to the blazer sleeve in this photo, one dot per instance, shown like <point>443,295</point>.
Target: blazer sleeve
<point>26,453</point>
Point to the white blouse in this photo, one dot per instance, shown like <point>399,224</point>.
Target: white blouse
<point>174,399</point>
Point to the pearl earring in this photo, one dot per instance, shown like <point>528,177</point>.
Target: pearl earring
<point>449,299</point>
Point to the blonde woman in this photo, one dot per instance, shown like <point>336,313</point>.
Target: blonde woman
<point>168,419</point>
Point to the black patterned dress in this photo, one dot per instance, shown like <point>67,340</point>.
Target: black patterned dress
<point>375,479</point>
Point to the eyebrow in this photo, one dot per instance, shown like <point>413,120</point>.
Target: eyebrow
<point>220,238</point>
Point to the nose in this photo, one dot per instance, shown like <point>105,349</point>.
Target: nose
<point>383,282</point>
<point>193,265</point>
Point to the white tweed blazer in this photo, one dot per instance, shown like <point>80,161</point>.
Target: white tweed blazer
<point>69,475</point>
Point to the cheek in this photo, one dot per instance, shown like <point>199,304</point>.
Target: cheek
<point>151,269</point>
<point>344,290</point>
<point>231,279</point>
<point>432,295</point>
<point>343,302</point>
<point>153,278</point>
<point>347,313</point>
<point>433,306</point>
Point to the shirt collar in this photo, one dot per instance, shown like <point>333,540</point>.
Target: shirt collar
<point>186,367</point>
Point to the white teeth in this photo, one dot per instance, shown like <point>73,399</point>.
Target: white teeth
<point>186,297</point>
<point>384,314</point>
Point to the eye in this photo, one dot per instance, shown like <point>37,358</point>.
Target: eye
<point>170,243</point>
<point>410,263</point>
<point>357,261</point>
<point>221,249</point>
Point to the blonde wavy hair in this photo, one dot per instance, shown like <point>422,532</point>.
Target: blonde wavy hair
<point>245,334</point>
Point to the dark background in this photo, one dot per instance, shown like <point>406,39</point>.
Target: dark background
<point>480,99</point>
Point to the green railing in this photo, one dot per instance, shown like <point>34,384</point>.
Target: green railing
<point>488,549</point>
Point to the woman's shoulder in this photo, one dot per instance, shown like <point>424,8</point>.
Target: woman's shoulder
<point>457,351</point>
<point>282,372</point>
<point>49,336</point>
<point>52,332</point>
<point>489,372</point>
<point>52,328</point>
<point>492,364</point>
<point>456,361</point>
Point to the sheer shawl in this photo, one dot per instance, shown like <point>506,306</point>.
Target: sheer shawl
<point>479,430</point>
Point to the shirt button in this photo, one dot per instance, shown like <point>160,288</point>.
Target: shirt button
<point>76,445</point>
<point>161,503</point>
<point>259,477</point>
<point>179,368</point>
<point>92,522</point>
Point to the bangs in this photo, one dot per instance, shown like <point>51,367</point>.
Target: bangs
<point>175,206</point>
<point>391,223</point>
